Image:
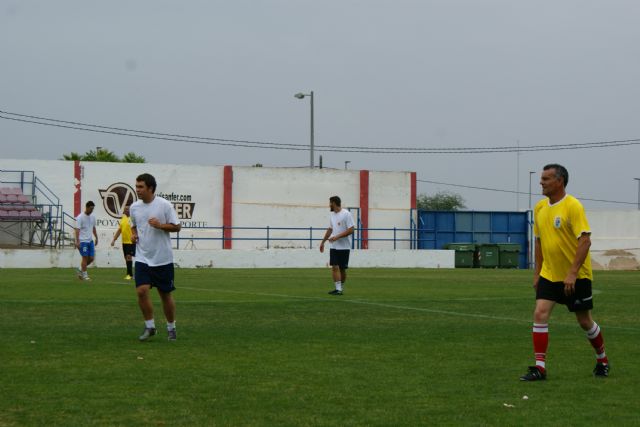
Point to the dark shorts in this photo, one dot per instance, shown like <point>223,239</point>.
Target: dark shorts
<point>581,300</point>
<point>129,249</point>
<point>339,257</point>
<point>160,277</point>
<point>87,249</point>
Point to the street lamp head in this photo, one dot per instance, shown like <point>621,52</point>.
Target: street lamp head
<point>299,95</point>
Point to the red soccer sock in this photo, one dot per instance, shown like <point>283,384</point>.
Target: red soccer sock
<point>597,342</point>
<point>540,344</point>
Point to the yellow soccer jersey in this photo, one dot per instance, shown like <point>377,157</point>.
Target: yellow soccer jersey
<point>558,227</point>
<point>125,229</point>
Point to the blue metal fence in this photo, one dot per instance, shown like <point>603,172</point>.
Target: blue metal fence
<point>310,235</point>
<point>435,229</point>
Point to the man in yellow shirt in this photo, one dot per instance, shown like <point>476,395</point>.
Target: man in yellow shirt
<point>128,247</point>
<point>563,269</point>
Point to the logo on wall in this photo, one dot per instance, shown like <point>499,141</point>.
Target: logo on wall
<point>116,197</point>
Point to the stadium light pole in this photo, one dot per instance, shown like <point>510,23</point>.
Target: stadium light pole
<point>530,173</point>
<point>301,95</point>
<point>638,179</point>
<point>530,248</point>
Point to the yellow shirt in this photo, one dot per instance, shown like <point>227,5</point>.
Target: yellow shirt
<point>558,227</point>
<point>125,229</point>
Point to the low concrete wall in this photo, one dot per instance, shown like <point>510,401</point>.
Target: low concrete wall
<point>615,259</point>
<point>274,258</point>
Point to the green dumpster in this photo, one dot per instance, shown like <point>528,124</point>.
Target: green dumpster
<point>509,255</point>
<point>488,255</point>
<point>465,254</point>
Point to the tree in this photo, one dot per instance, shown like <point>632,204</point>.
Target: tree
<point>132,157</point>
<point>104,155</point>
<point>441,201</point>
<point>72,156</point>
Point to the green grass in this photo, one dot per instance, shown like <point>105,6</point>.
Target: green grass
<point>270,347</point>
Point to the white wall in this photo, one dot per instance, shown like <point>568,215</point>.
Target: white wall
<point>389,206</point>
<point>275,197</point>
<point>615,239</point>
<point>288,197</point>
<point>286,258</point>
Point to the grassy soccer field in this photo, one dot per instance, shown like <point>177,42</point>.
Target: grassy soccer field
<point>270,347</point>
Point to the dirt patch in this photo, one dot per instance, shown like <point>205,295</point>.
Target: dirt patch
<point>617,252</point>
<point>595,265</point>
<point>624,263</point>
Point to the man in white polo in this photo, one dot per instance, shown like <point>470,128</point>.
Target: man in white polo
<point>339,233</point>
<point>152,219</point>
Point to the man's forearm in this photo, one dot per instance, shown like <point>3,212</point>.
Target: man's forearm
<point>171,228</point>
<point>581,254</point>
<point>538,257</point>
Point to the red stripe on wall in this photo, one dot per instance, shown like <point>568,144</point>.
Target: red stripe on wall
<point>414,180</point>
<point>227,219</point>
<point>77,183</point>
<point>364,209</point>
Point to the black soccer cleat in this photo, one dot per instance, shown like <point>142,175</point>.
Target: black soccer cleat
<point>534,374</point>
<point>147,333</point>
<point>335,292</point>
<point>601,370</point>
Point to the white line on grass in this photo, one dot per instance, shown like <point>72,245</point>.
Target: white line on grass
<point>394,306</point>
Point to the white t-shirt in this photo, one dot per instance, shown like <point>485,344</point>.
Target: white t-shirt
<point>153,246</point>
<point>85,224</point>
<point>339,223</point>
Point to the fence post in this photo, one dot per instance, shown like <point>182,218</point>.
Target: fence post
<point>267,237</point>
<point>394,238</point>
<point>310,237</point>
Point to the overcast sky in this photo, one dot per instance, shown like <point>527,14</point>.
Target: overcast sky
<point>467,73</point>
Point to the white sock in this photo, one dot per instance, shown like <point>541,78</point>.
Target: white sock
<point>171,325</point>
<point>150,323</point>
<point>85,274</point>
<point>339,285</point>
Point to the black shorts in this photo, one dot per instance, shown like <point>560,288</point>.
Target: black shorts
<point>129,249</point>
<point>581,300</point>
<point>160,277</point>
<point>339,257</point>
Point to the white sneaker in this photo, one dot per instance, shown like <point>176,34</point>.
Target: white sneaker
<point>79,273</point>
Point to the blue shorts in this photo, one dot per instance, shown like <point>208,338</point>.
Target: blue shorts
<point>160,277</point>
<point>87,249</point>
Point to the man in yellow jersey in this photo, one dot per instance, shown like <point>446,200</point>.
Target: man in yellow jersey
<point>563,269</point>
<point>128,247</point>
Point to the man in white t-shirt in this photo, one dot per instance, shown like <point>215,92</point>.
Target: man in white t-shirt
<point>152,219</point>
<point>85,227</point>
<point>339,234</point>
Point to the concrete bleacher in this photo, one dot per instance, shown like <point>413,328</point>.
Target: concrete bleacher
<point>15,206</point>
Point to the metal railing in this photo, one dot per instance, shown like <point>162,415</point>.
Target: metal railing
<point>50,229</point>
<point>309,235</point>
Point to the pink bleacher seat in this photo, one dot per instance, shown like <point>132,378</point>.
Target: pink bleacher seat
<point>4,214</point>
<point>25,215</point>
<point>36,215</point>
<point>13,214</point>
<point>3,198</point>
<point>23,199</point>
<point>12,198</point>
<point>11,190</point>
